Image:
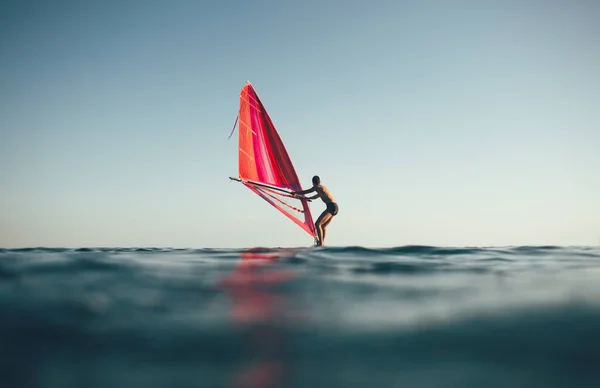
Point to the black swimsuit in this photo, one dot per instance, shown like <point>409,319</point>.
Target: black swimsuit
<point>332,208</point>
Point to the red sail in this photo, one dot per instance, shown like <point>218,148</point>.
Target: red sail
<point>264,164</point>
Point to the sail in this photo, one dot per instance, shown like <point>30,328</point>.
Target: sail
<point>264,164</point>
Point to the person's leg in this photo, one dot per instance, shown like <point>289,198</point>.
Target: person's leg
<point>324,226</point>
<point>323,218</point>
<point>332,209</point>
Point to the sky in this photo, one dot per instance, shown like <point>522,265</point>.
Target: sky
<point>452,123</point>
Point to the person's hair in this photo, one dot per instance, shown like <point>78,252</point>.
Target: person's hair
<point>316,180</point>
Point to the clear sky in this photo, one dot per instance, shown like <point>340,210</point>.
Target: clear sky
<point>432,122</point>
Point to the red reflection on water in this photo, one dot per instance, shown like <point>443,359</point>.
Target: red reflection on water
<point>261,311</point>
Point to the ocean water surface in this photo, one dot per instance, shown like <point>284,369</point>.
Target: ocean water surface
<point>410,316</point>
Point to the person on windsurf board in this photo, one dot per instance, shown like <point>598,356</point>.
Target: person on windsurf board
<point>328,214</point>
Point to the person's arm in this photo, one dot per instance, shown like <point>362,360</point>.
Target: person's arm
<point>304,191</point>
<point>313,197</point>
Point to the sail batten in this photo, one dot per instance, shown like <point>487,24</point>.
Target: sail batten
<point>263,161</point>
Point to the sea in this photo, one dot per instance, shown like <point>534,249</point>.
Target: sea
<point>407,316</point>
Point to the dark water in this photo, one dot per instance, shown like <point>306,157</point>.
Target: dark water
<point>320,317</point>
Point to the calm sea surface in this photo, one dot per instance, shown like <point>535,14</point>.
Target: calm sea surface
<point>411,316</point>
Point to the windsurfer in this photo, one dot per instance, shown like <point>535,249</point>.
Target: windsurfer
<point>327,215</point>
